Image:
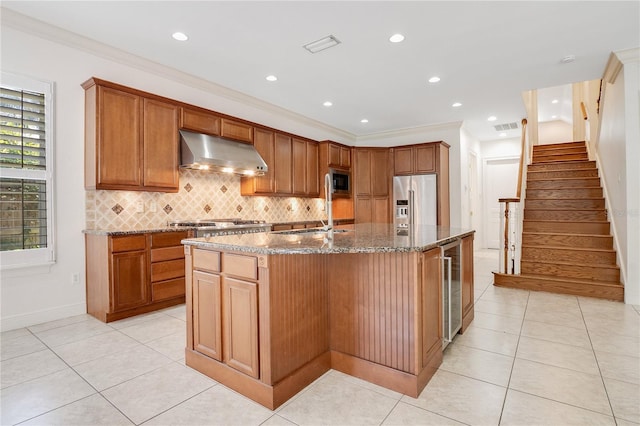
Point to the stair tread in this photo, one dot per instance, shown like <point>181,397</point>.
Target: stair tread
<point>561,279</point>
<point>566,221</point>
<point>563,198</point>
<point>584,265</point>
<point>570,248</point>
<point>566,234</point>
<point>564,178</point>
<point>564,209</point>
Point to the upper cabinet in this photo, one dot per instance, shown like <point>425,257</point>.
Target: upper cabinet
<point>372,175</point>
<point>339,156</point>
<point>236,130</point>
<point>415,159</point>
<point>199,120</point>
<point>131,140</point>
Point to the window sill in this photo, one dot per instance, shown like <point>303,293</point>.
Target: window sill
<point>25,269</point>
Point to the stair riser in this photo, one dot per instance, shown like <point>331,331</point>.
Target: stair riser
<point>553,174</point>
<point>579,215</point>
<point>552,146</point>
<point>565,193</point>
<point>563,157</point>
<point>582,257</point>
<point>604,242</point>
<point>577,204</point>
<point>563,183</point>
<point>558,151</point>
<point>566,228</point>
<point>571,271</point>
<point>607,292</point>
<point>569,165</point>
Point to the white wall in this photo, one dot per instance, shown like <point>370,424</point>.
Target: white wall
<point>556,131</point>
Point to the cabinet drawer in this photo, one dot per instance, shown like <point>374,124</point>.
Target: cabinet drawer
<point>240,266</point>
<point>167,289</point>
<point>206,260</point>
<point>168,239</point>
<point>167,270</point>
<point>167,253</point>
<point>128,243</point>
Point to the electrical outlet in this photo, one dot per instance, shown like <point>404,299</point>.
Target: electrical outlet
<point>140,207</point>
<point>153,207</point>
<point>75,278</point>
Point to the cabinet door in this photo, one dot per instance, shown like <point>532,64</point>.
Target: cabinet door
<point>236,130</point>
<point>283,168</point>
<point>241,326</point>
<point>402,161</point>
<point>199,121</point>
<point>299,163</point>
<point>467,281</point>
<point>119,139</point>
<point>363,207</point>
<point>430,306</point>
<point>160,163</point>
<point>380,178</point>
<point>380,210</point>
<point>263,142</point>
<point>313,183</point>
<point>129,280</point>
<point>362,171</point>
<point>425,159</point>
<point>345,157</point>
<point>207,315</point>
<point>334,155</point>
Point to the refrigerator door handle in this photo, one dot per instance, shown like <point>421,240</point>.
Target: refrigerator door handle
<point>412,206</point>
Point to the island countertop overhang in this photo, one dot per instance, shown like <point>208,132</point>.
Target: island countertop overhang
<point>361,238</point>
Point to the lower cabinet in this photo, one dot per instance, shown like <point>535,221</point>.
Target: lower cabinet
<point>467,282</point>
<point>129,277</point>
<point>225,309</point>
<point>430,296</point>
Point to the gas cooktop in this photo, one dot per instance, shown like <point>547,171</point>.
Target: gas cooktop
<point>214,222</point>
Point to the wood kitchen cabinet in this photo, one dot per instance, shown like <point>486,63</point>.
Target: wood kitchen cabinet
<point>372,181</point>
<point>430,301</point>
<point>339,156</point>
<point>236,130</point>
<point>467,282</point>
<point>132,274</point>
<point>131,139</point>
<point>207,314</point>
<point>199,120</point>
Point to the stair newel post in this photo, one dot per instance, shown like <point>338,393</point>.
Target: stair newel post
<point>508,225</point>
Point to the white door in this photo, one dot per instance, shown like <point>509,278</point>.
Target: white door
<point>500,181</point>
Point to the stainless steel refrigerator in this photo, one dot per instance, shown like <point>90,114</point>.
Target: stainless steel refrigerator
<point>415,201</point>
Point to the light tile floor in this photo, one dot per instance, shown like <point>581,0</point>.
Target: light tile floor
<point>527,359</point>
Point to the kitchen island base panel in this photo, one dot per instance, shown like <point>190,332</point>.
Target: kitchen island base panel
<point>466,321</point>
<point>269,396</point>
<point>115,316</point>
<point>390,378</point>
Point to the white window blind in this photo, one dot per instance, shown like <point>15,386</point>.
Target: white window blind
<point>26,221</point>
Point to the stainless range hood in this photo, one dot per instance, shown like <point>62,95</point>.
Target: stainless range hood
<point>204,152</point>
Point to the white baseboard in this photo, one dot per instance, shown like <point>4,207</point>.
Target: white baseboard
<point>38,317</point>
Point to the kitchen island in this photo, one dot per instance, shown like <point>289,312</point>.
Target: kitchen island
<point>269,313</point>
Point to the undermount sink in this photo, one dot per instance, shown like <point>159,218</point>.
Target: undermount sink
<point>308,231</point>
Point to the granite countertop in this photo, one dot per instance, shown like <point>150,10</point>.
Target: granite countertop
<point>362,238</point>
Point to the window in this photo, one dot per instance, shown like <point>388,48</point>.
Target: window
<point>26,175</point>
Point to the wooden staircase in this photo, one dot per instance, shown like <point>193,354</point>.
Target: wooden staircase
<point>566,244</point>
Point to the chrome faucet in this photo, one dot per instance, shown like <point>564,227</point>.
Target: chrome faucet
<point>328,191</point>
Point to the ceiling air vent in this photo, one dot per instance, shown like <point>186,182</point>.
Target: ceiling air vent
<point>322,44</point>
<point>506,126</point>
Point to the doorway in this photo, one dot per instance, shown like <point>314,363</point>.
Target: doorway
<point>499,181</point>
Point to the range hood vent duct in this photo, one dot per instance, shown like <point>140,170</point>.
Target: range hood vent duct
<point>211,153</point>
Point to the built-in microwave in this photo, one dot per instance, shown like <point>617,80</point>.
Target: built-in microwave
<point>341,181</point>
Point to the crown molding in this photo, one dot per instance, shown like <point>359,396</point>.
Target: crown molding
<point>73,40</point>
<point>411,131</point>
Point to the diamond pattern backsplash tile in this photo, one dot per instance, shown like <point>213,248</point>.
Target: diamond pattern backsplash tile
<point>202,196</point>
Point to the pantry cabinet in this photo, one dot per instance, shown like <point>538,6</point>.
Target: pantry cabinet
<point>131,139</point>
<point>372,176</point>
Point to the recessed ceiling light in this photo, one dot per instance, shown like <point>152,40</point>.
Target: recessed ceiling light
<point>327,103</point>
<point>503,134</point>
<point>180,36</point>
<point>456,104</point>
<point>396,38</point>
<point>492,118</point>
<point>434,79</point>
<point>271,78</point>
<point>555,101</point>
<point>364,120</point>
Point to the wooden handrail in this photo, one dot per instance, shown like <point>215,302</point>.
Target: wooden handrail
<point>583,109</point>
<point>524,138</point>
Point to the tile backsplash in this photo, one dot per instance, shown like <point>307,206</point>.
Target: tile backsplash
<point>201,196</point>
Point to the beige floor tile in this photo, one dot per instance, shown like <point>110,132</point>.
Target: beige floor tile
<point>625,399</point>
<point>276,420</point>
<point>507,296</point>
<point>93,410</point>
<point>333,400</point>
<point>179,312</point>
<point>22,344</point>
<point>556,333</point>
<point>95,347</point>
<point>406,414</point>
<point>524,409</point>
<point>558,354</point>
<point>622,422</point>
<point>218,405</point>
<point>33,398</point>
<point>619,367</point>
<point>116,368</point>
<point>606,309</point>
<point>477,364</point>
<point>461,398</point>
<point>154,329</point>
<point>497,322</point>
<point>629,326</point>
<point>72,332</point>
<point>172,346</point>
<point>38,328</point>
<point>371,386</point>
<point>552,300</point>
<point>560,384</point>
<point>500,308</point>
<point>555,316</point>
<point>621,345</point>
<point>135,320</point>
<point>489,340</point>
<point>29,367</point>
<point>12,334</point>
<point>153,393</point>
